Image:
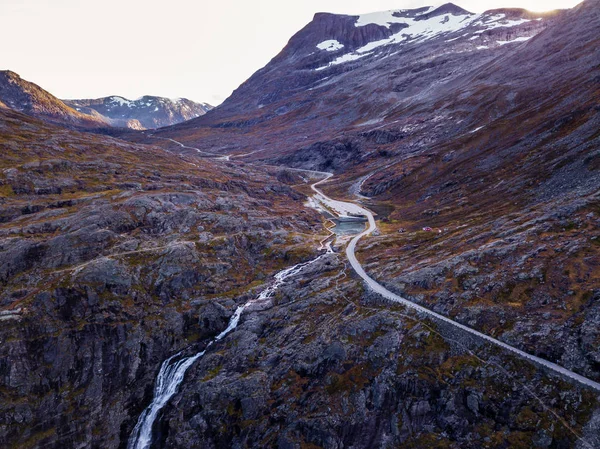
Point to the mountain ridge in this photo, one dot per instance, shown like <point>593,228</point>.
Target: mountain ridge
<point>301,80</point>
<point>147,112</point>
<point>151,111</point>
<point>29,98</point>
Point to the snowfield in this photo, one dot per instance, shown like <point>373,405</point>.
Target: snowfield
<point>330,45</point>
<point>417,28</point>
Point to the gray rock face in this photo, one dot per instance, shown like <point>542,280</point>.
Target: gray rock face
<point>109,265</point>
<point>356,376</point>
<point>325,156</point>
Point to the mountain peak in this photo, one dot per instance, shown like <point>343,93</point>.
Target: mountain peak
<point>9,74</point>
<point>448,8</point>
<point>29,98</point>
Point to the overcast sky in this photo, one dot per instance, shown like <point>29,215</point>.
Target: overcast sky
<point>199,49</point>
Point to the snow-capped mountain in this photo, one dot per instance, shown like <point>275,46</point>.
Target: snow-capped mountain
<point>151,112</point>
<point>420,25</point>
<point>343,71</point>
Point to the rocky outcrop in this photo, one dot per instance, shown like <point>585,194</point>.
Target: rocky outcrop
<point>335,369</point>
<point>325,156</point>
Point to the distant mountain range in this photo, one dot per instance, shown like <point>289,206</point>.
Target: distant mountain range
<point>151,112</point>
<point>145,113</point>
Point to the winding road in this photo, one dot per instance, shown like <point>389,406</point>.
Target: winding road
<point>342,208</point>
<point>347,208</point>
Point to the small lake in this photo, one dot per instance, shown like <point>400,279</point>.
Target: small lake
<point>348,227</point>
<point>340,228</point>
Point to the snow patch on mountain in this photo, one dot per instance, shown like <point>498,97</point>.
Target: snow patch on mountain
<point>330,45</point>
<point>518,39</point>
<point>413,29</point>
<point>387,18</point>
<point>121,101</point>
<point>148,111</point>
<point>342,59</point>
<point>421,25</point>
<point>498,21</point>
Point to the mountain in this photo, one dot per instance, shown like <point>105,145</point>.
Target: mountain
<point>187,280</point>
<point>151,112</point>
<point>110,257</point>
<point>23,96</point>
<point>112,112</point>
<point>481,128</point>
<point>342,73</point>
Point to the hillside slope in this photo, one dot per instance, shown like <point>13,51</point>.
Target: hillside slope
<point>475,138</point>
<point>28,98</point>
<point>110,255</point>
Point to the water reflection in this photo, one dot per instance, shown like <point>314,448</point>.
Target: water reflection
<point>348,227</point>
<point>341,228</point>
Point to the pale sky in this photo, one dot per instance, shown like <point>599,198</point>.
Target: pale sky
<point>198,49</point>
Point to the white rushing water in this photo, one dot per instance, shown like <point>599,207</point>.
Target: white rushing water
<point>173,370</point>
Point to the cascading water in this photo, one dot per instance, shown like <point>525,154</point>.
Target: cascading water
<point>172,371</point>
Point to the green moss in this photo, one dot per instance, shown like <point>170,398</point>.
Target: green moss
<point>6,191</point>
<point>212,373</point>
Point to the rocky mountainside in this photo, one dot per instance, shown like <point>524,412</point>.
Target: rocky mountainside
<point>110,255</point>
<point>344,74</point>
<point>483,128</point>
<point>474,137</point>
<point>115,256</point>
<point>28,98</point>
<point>150,112</point>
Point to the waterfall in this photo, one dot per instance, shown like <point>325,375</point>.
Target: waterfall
<point>172,370</point>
